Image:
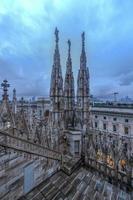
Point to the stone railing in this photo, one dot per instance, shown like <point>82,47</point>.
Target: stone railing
<point>110,154</point>
<point>10,142</point>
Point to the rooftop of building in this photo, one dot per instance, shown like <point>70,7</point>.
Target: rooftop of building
<point>81,184</point>
<point>114,108</point>
<point>113,105</point>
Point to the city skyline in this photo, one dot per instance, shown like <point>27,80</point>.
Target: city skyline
<point>27,44</point>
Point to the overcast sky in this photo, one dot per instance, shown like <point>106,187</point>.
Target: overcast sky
<point>27,43</point>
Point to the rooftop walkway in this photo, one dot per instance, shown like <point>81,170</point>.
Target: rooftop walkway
<point>82,184</point>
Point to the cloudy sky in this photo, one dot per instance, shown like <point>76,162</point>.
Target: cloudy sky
<point>27,43</point>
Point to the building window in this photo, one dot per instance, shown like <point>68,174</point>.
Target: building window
<point>95,124</point>
<point>95,116</point>
<point>104,117</point>
<point>104,126</point>
<point>126,130</point>
<point>126,120</point>
<point>115,119</point>
<point>114,128</point>
<point>76,147</point>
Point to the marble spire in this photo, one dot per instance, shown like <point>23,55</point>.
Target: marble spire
<point>56,87</point>
<point>83,87</point>
<point>69,94</point>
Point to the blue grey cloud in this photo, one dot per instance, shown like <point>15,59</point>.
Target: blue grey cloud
<point>27,43</point>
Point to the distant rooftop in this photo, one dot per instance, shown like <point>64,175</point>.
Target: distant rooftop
<point>113,105</point>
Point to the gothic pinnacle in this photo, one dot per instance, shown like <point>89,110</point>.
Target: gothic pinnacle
<point>83,86</point>
<point>5,87</point>
<point>14,95</point>
<point>56,88</point>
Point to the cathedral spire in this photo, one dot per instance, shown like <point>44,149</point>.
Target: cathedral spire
<point>69,94</point>
<point>56,88</point>
<point>83,87</point>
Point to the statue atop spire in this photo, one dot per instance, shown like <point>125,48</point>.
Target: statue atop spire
<point>56,35</point>
<point>69,64</point>
<point>69,47</point>
<point>83,40</point>
<point>83,54</point>
<point>56,53</point>
<point>5,87</point>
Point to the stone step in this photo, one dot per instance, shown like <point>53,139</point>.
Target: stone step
<point>71,165</point>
